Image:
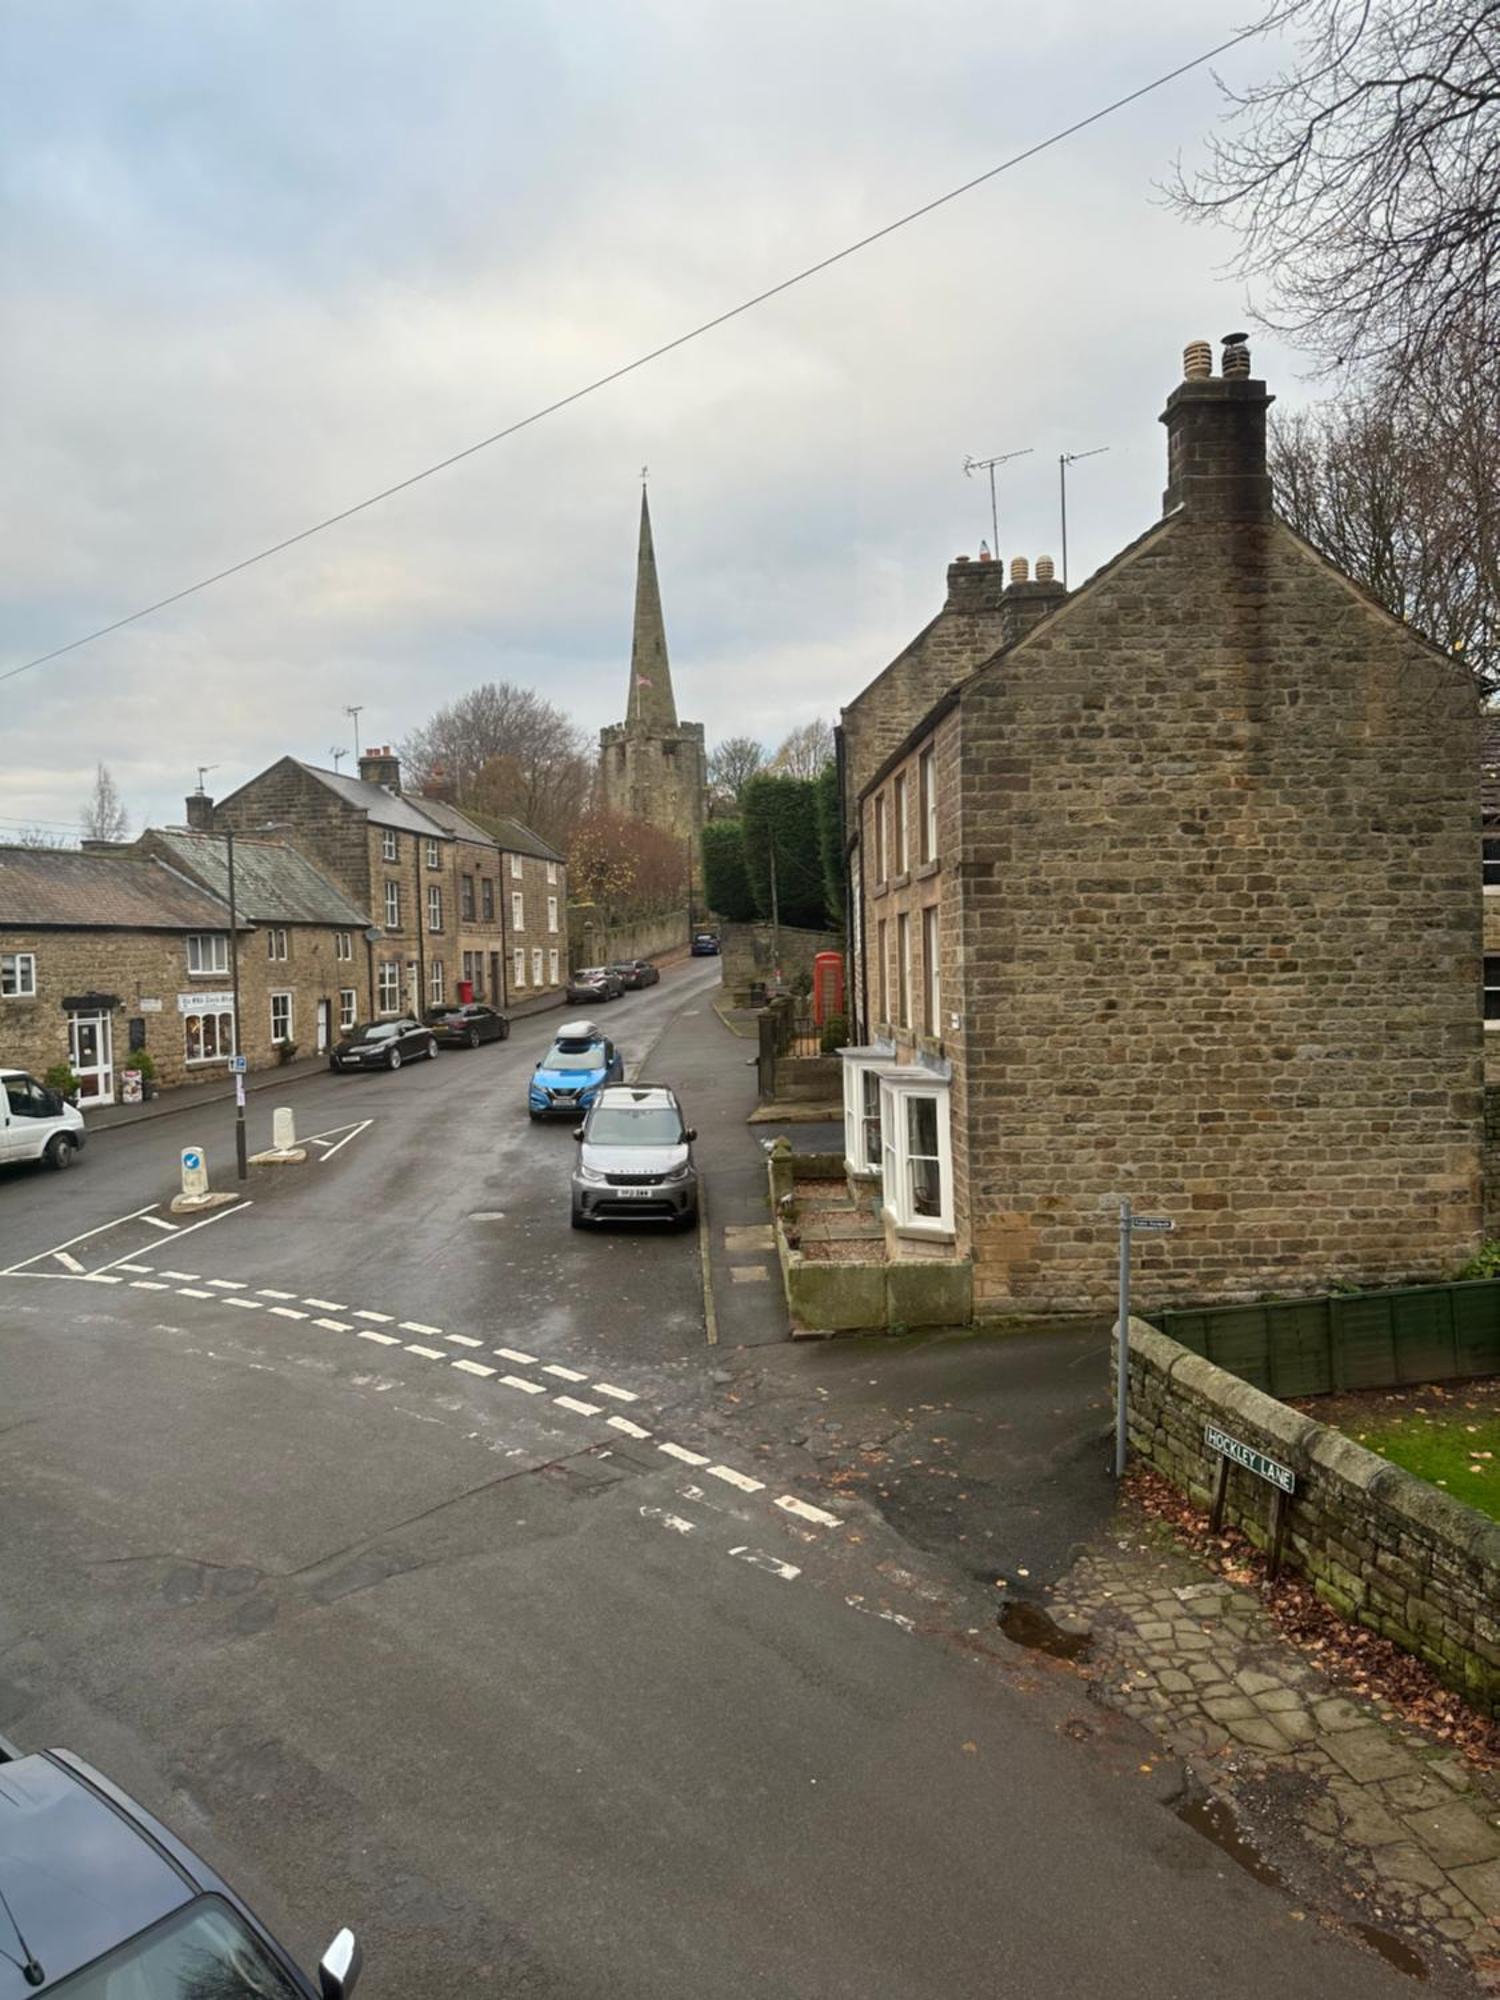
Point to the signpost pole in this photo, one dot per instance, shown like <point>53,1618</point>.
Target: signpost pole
<point>241,1150</point>
<point>1122,1377</point>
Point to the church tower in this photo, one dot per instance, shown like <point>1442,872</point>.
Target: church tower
<point>651,766</point>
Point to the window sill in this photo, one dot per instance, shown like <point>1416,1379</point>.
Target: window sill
<point>901,879</point>
<point>9,997</point>
<point>879,889</point>
<point>926,869</point>
<point>222,973</point>
<point>920,1232</point>
<point>1491,1026</point>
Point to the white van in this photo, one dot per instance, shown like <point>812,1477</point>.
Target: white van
<point>37,1123</point>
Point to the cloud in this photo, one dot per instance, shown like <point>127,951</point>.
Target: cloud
<point>266,259</point>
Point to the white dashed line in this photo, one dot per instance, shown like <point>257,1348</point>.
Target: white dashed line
<point>269,1292</point>
<point>157,1223</point>
<point>416,1326</point>
<point>564,1374</point>
<point>385,1339</point>
<point>740,1479</point>
<point>471,1367</point>
<point>333,1325</point>
<point>786,1571</point>
<point>620,1395</point>
<point>228,1284</point>
<point>288,1312</point>
<point>580,1409</point>
<point>458,1339</point>
<point>515,1354</point>
<point>630,1429</point>
<point>148,1285</point>
<point>142,1269</point>
<point>427,1353</point>
<point>99,1277</point>
<point>193,1292</point>
<point>516,1382</point>
<point>182,1277</point>
<point>673,1521</point>
<point>326,1305</point>
<point>382,1319</point>
<point>789,1504</point>
<point>71,1262</point>
<point>250,1305</point>
<point>680,1451</point>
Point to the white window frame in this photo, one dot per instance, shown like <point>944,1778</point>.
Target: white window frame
<point>899,857</point>
<point>536,965</point>
<point>899,1087</point>
<point>388,986</point>
<point>436,989</point>
<point>343,945</point>
<point>434,906</point>
<point>18,975</point>
<point>486,900</point>
<point>861,1070</point>
<point>1491,989</point>
<point>552,914</point>
<point>878,810</point>
<point>551,874</point>
<point>518,969</point>
<point>388,848</point>
<point>223,1036</point>
<point>927,801</point>
<point>903,968</point>
<point>348,1007</point>
<point>218,954</point>
<point>516,867</point>
<point>281,1002</point>
<point>434,859</point>
<point>882,970</point>
<point>932,1019</point>
<point>393,906</point>
<point>276,945</point>
<point>517,910</point>
<point>553,967</point>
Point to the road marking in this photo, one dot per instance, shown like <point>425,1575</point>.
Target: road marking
<point>184,1277</point>
<point>620,1395</point>
<point>148,1285</point>
<point>228,1284</point>
<point>144,1270</point>
<point>326,1305</point>
<point>673,1521</point>
<point>266,1291</point>
<point>71,1262</point>
<point>679,1451</point>
<point>160,1222</point>
<point>786,1571</point>
<point>458,1339</point>
<point>515,1354</point>
<point>362,1312</point>
<point>204,1222</point>
<point>416,1326</point>
<point>427,1353</point>
<point>82,1237</point>
<point>322,1138</point>
<point>565,1374</point>
<point>470,1367</point>
<point>580,1409</point>
<point>516,1382</point>
<point>630,1429</point>
<point>282,1312</point>
<point>250,1305</point>
<point>333,1325</point>
<point>90,1277</point>
<point>790,1504</point>
<point>193,1292</point>
<point>385,1339</point>
<point>740,1479</point>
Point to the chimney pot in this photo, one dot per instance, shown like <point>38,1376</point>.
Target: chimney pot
<point>1020,569</point>
<point>381,766</point>
<point>958,559</point>
<point>1197,361</point>
<point>1236,356</point>
<point>984,552</point>
<point>1045,569</point>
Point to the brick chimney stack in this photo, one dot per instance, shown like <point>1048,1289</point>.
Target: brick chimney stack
<point>381,766</point>
<point>200,812</point>
<point>1216,437</point>
<point>975,588</point>
<point>1027,603</point>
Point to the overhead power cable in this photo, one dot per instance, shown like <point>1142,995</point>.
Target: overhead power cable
<point>666,347</point>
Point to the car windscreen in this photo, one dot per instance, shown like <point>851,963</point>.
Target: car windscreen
<point>635,1125</point>
<point>437,1015</point>
<point>201,1950</point>
<point>590,1058</point>
<point>378,1031</point>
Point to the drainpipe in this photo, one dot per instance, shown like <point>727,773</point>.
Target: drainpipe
<point>501,892</point>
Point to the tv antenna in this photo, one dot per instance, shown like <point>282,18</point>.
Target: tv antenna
<point>335,755</point>
<point>354,714</point>
<point>1064,460</point>
<point>973,465</point>
<point>203,771</point>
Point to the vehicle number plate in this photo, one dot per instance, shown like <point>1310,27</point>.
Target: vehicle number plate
<point>636,1194</point>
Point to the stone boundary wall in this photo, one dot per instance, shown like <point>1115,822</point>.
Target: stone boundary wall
<point>591,943</point>
<point>1382,1546</point>
<point>1490,1151</point>
<point>748,955</point>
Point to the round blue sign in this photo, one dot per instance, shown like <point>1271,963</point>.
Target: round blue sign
<point>192,1159</point>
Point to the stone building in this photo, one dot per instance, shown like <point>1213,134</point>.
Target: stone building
<point>651,766</point>
<point>1173,896</point>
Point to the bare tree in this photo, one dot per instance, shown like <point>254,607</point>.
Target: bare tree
<point>805,751</point>
<point>505,749</point>
<point>104,816</point>
<point>1363,178</point>
<point>731,766</point>
<point>35,836</point>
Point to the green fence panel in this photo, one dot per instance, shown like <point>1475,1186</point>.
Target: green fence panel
<point>1422,1322</point>
<point>1476,1328</point>
<point>1363,1345</point>
<point>1299,1344</point>
<point>1239,1339</point>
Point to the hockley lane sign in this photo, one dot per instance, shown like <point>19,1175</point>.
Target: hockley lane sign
<point>1252,1460</point>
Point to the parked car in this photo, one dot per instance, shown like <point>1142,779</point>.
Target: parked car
<point>466,1024</point>
<point>569,1076</point>
<point>636,972</point>
<point>635,1159</point>
<point>37,1123</point>
<point>102,1901</point>
<point>383,1044</point>
<point>595,982</point>
<point>705,944</point>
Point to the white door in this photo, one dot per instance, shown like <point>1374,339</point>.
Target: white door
<point>91,1052</point>
<point>325,1022</point>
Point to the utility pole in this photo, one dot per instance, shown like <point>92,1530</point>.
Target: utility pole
<point>241,1153</point>
<point>775,915</point>
<point>1064,460</point>
<point>973,465</point>
<point>354,713</point>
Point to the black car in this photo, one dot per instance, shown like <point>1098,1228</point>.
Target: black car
<point>705,944</point>
<point>636,972</point>
<point>466,1024</point>
<point>102,1899</point>
<point>383,1044</point>
<point>595,982</point>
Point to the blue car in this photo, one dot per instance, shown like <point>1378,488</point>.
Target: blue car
<point>570,1075</point>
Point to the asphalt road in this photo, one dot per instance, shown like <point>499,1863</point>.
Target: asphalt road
<point>518,1662</point>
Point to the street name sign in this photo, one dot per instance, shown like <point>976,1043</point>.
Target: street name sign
<point>1152,1222</point>
<point>1239,1453</point>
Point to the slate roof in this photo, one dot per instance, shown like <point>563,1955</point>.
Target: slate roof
<point>510,835</point>
<point>59,888</point>
<point>374,801</point>
<point>273,883</point>
<point>452,820</point>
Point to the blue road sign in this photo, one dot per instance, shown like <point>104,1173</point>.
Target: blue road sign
<point>192,1159</point>
<point>238,1065</point>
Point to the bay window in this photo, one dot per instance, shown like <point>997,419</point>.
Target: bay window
<point>916,1151</point>
<point>209,1037</point>
<point>861,1075</point>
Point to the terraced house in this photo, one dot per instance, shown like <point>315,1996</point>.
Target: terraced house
<point>1172,894</point>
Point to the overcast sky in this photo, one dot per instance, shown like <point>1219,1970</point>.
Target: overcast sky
<point>262,258</point>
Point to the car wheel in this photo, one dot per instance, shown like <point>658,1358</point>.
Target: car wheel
<point>61,1149</point>
<point>472,1038</point>
<point>393,1060</point>
<point>431,1049</point>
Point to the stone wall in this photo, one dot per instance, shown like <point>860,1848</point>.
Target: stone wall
<point>593,943</point>
<point>749,956</point>
<point>1382,1546</point>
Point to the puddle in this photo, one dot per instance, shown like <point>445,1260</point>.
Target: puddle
<point>1027,1624</point>
<point>1217,1823</point>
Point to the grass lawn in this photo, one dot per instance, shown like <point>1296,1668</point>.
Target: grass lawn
<point>1447,1434</point>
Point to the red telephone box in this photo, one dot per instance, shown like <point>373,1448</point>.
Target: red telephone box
<point>828,986</point>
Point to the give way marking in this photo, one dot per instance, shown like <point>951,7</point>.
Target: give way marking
<point>336,1139</point>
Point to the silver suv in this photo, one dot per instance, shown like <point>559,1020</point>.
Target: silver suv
<point>635,1159</point>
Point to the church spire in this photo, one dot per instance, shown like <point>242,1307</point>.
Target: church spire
<point>651,705</point>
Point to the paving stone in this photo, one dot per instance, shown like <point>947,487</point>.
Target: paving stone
<point>1277,1698</point>
<point>1367,1754</point>
<point>1204,1670</point>
<point>1321,1816</point>
<point>1420,1794</point>
<point>1455,1929</point>
<point>1228,1708</point>
<point>1258,1733</point>
<point>1368,1824</point>
<point>1153,1630</point>
<point>1481,1884</point>
<point>1218,1691</point>
<point>1407,1865</point>
<point>1177,1683</point>
<point>1459,1904</point>
<point>1191,1640</point>
<point>1454,1836</point>
<point>1297,1726</point>
<point>1252,1681</point>
<point>1340,1714</point>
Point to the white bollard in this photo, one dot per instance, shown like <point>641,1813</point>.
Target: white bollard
<point>194,1173</point>
<point>283,1129</point>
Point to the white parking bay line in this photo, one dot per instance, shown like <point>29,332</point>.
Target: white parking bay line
<point>786,1571</point>
<point>182,1277</point>
<point>194,1292</point>
<point>673,1521</point>
<point>383,1319</point>
<point>470,1367</point>
<point>269,1292</point>
<point>630,1429</point>
<point>250,1305</point>
<point>680,1451</point>
<point>141,1270</point>
<point>427,1353</point>
<point>288,1312</point>
<point>159,1222</point>
<point>740,1479</point>
<point>517,1382</point>
<point>458,1339</point>
<point>620,1395</point>
<point>385,1339</point>
<point>515,1354</point>
<point>148,1285</point>
<point>790,1504</point>
<point>565,1374</point>
<point>579,1409</point>
<point>333,1325</point>
<point>326,1305</point>
<point>416,1326</point>
<point>72,1263</point>
<point>228,1284</point>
